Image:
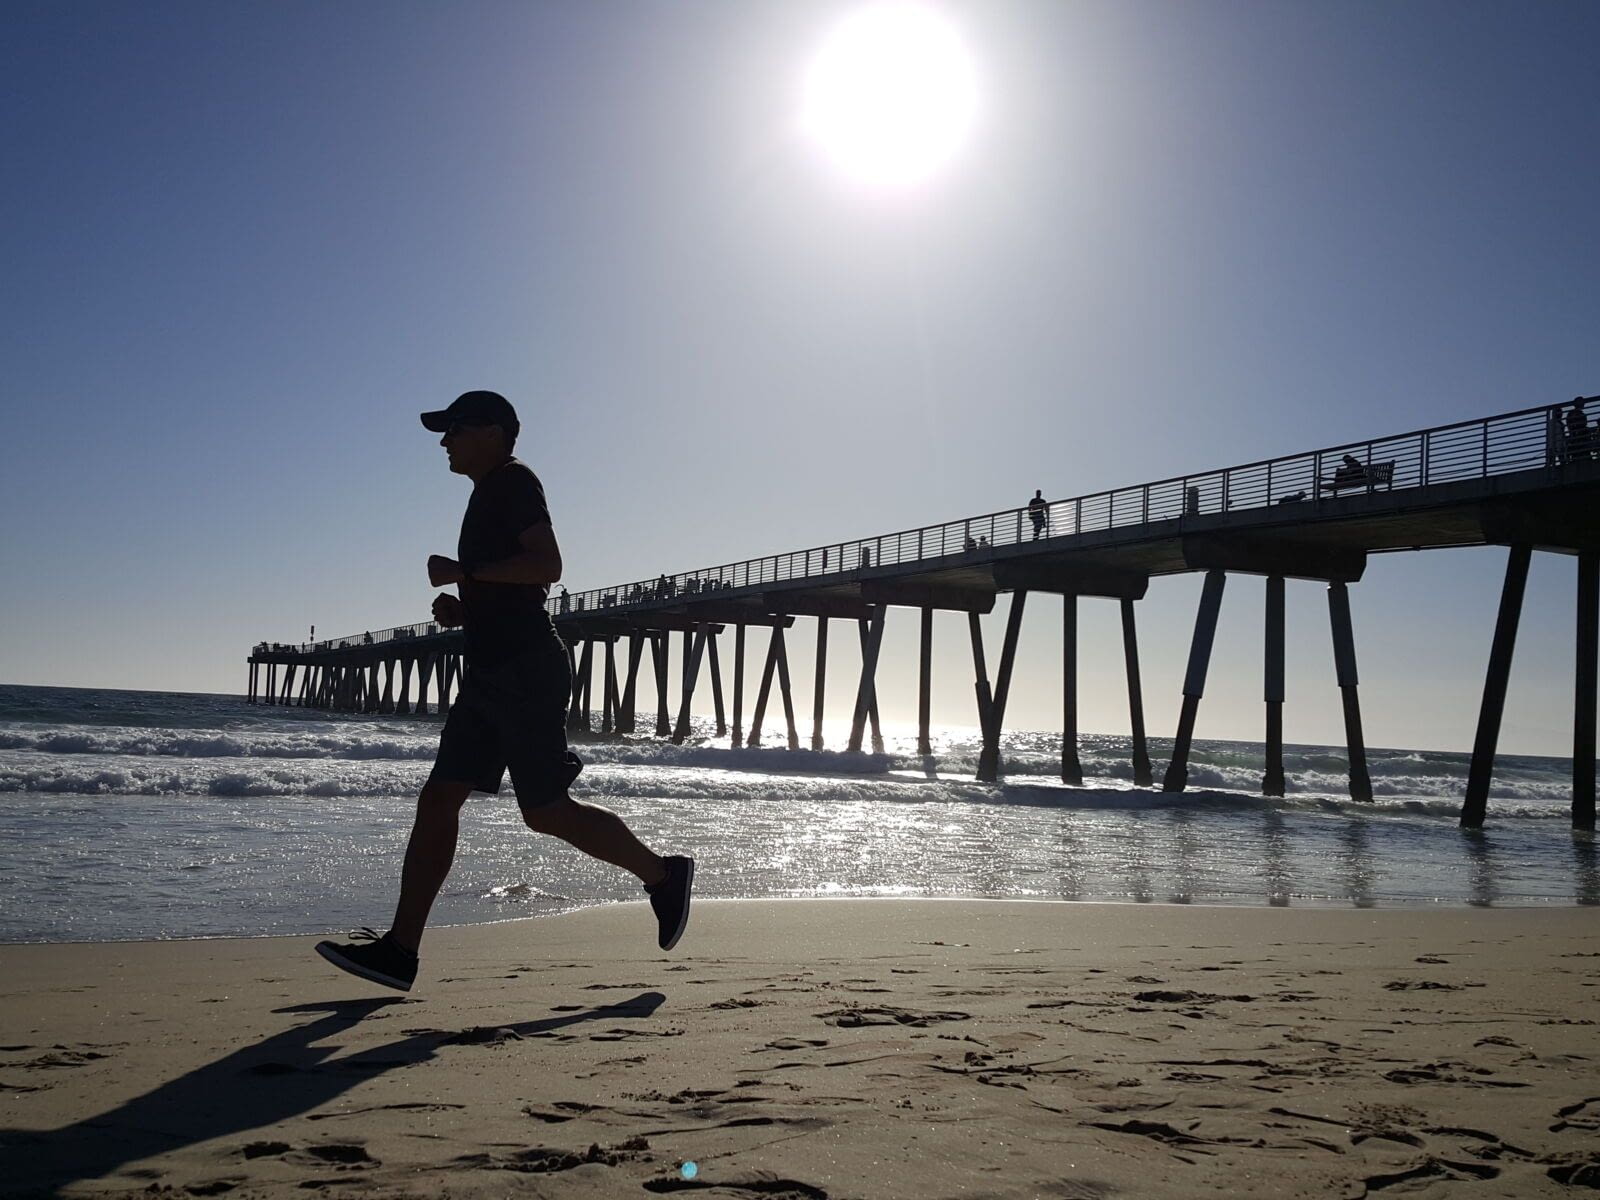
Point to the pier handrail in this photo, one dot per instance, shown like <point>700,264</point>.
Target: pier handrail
<point>1463,450</point>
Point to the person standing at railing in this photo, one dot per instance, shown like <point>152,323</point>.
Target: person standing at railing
<point>1038,513</point>
<point>1580,437</point>
<point>512,709</point>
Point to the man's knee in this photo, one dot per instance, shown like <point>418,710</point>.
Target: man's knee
<point>443,794</point>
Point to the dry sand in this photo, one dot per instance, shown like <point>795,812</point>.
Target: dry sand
<point>836,1048</point>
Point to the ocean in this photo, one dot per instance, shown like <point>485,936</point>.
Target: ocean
<point>133,815</point>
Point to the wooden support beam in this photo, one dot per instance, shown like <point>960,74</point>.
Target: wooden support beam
<point>864,631</point>
<point>726,612</point>
<point>911,594</point>
<point>1142,774</point>
<point>925,683</point>
<point>578,715</point>
<point>661,649</point>
<point>1272,779</point>
<point>1555,523</point>
<point>841,602</point>
<point>424,674</point>
<point>627,720</point>
<point>766,687</point>
<point>608,715</point>
<point>1194,682</point>
<point>1253,554</point>
<point>403,705</point>
<point>980,686</point>
<point>1344,662</point>
<point>716,684</point>
<point>989,756</point>
<point>694,648</point>
<point>784,690</point>
<point>386,705</point>
<point>866,690</point>
<point>1481,769</point>
<point>1071,767</point>
<point>738,685</point>
<point>1583,709</point>
<point>1071,578</point>
<point>821,681</point>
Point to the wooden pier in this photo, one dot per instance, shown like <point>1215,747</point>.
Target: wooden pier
<point>1523,480</point>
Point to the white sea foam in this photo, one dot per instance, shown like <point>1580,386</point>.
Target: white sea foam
<point>203,815</point>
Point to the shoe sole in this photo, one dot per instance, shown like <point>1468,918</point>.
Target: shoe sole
<point>683,921</point>
<point>355,968</point>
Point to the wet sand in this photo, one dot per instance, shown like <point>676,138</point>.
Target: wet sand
<point>826,1049</point>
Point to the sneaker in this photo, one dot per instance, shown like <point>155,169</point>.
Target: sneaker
<point>670,899</point>
<point>370,956</point>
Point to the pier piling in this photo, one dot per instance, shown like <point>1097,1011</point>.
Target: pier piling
<point>1194,680</point>
<point>1583,728</point>
<point>1490,711</point>
<point>925,683</point>
<point>1273,689</point>
<point>1071,768</point>
<point>1143,776</point>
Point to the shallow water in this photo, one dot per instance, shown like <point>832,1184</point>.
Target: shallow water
<point>140,814</point>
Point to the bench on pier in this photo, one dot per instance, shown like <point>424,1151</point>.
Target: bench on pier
<point>1368,476</point>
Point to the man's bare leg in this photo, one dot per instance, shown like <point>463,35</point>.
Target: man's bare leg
<point>599,833</point>
<point>429,853</point>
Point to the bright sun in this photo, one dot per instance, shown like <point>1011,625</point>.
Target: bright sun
<point>890,96</point>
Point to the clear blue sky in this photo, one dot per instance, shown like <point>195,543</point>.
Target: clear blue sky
<point>245,244</point>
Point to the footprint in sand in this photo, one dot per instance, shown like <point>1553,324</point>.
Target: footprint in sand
<point>851,1018</point>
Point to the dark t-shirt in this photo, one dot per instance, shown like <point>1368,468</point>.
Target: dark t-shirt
<point>502,619</point>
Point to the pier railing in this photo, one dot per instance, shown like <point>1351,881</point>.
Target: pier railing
<point>1531,438</point>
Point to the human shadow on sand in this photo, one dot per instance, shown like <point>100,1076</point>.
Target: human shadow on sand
<point>258,1085</point>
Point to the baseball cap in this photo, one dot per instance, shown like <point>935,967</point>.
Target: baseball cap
<point>491,408</point>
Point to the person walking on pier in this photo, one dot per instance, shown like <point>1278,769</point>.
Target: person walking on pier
<point>511,712</point>
<point>1038,512</point>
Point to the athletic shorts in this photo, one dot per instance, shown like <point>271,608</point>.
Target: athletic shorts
<point>512,716</point>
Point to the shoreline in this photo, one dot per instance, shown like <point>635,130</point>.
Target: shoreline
<point>1381,905</point>
<point>874,1048</point>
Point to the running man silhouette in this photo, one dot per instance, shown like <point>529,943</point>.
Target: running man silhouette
<point>512,709</point>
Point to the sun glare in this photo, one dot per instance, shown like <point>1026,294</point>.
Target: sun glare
<point>891,95</point>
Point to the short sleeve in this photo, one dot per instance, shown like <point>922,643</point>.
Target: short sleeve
<point>521,501</point>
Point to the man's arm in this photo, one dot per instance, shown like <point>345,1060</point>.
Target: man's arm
<point>539,562</point>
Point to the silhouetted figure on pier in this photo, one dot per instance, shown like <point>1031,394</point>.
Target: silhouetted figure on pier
<point>1580,438</point>
<point>1350,471</point>
<point>1038,512</point>
<point>512,710</point>
<point>565,601</point>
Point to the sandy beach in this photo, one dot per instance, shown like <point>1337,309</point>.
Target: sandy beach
<point>831,1048</point>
